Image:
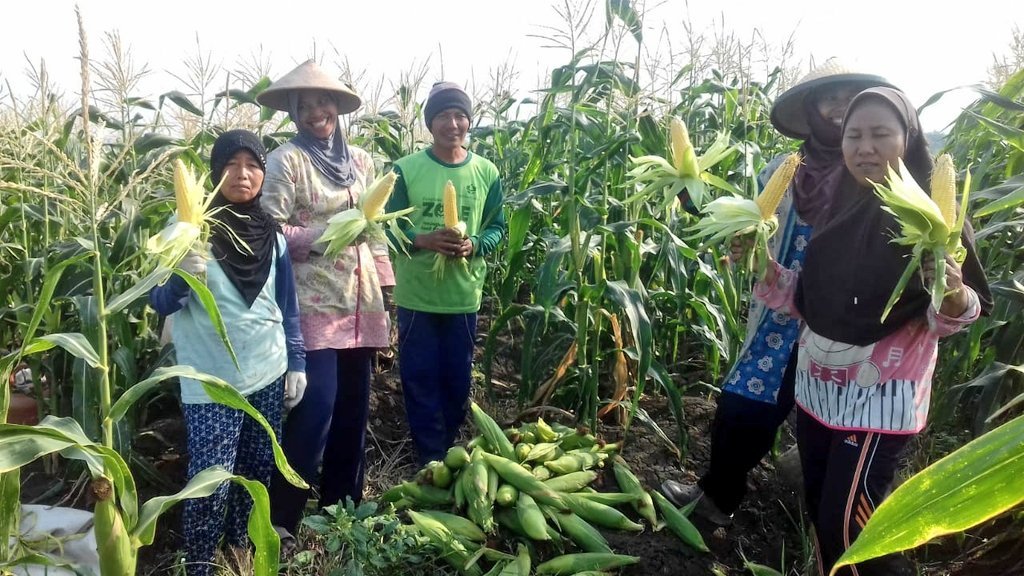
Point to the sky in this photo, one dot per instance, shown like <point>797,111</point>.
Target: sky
<point>918,46</point>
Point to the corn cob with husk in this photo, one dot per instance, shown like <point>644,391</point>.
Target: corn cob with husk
<point>678,523</point>
<point>929,224</point>
<point>191,227</point>
<point>368,218</point>
<point>731,216</point>
<point>680,169</point>
<point>574,563</point>
<point>450,207</point>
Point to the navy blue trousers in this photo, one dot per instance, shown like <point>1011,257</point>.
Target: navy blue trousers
<point>327,427</point>
<point>435,360</point>
<point>225,436</point>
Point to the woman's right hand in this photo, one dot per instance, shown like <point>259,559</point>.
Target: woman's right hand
<point>443,241</point>
<point>740,246</point>
<point>739,249</point>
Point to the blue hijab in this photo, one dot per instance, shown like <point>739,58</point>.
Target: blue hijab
<point>331,155</point>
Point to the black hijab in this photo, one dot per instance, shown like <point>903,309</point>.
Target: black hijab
<point>852,266</point>
<point>248,270</point>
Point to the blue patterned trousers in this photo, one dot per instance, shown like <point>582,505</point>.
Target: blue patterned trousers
<point>218,435</point>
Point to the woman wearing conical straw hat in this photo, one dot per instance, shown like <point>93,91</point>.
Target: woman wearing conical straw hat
<point>312,177</point>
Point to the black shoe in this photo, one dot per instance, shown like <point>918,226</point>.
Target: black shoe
<point>683,494</point>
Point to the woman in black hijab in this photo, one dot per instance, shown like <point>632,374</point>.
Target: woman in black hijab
<point>249,273</point>
<point>862,385</point>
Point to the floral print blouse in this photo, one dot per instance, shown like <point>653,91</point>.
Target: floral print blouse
<point>340,301</point>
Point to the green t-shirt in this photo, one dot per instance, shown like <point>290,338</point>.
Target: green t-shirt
<point>422,177</point>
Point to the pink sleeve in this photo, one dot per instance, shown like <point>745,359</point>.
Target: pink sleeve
<point>943,325</point>
<point>385,274</point>
<point>300,240</point>
<point>779,295</point>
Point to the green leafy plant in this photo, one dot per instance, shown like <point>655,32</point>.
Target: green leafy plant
<point>122,525</point>
<point>361,540</point>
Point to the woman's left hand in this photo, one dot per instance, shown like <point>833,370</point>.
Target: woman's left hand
<point>465,249</point>
<point>956,300</point>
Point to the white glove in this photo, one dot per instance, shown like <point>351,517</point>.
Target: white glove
<point>294,388</point>
<point>194,263</point>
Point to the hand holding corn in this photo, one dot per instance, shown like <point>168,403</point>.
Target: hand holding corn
<point>955,301</point>
<point>445,241</point>
<point>194,263</point>
<point>450,242</point>
<point>747,221</point>
<point>931,225</point>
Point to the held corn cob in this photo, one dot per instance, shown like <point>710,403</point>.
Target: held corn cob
<point>191,227</point>
<point>680,170</point>
<point>684,157</point>
<point>367,217</point>
<point>927,223</point>
<point>735,216</point>
<point>450,207</point>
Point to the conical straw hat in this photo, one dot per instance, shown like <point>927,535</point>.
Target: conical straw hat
<point>309,76</point>
<point>788,113</point>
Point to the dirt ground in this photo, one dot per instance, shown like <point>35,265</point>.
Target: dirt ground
<point>769,528</point>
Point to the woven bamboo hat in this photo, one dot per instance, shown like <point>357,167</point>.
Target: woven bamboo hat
<point>309,76</point>
<point>789,116</point>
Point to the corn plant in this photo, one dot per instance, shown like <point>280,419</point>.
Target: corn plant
<point>987,137</point>
<point>81,181</point>
<point>604,292</point>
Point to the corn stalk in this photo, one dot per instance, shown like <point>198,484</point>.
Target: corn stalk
<point>122,526</point>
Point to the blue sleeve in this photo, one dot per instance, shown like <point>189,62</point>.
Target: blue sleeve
<point>171,296</point>
<point>288,302</point>
<point>400,201</point>
<point>493,226</point>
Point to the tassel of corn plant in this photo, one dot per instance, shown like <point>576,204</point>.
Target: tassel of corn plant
<point>367,218</point>
<point>450,206</point>
<point>680,169</point>
<point>191,227</point>
<point>924,224</point>
<point>730,216</point>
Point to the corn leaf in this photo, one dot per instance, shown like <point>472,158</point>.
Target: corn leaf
<point>42,305</point>
<point>21,445</point>
<point>223,393</point>
<point>210,305</point>
<point>77,345</point>
<point>261,532</point>
<point>141,288</point>
<point>908,272</point>
<point>976,482</point>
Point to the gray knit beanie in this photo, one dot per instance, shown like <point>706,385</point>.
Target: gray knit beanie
<point>445,95</point>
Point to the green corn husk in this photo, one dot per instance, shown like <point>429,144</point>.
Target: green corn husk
<point>923,227</point>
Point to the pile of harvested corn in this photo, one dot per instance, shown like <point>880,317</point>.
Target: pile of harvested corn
<point>532,483</point>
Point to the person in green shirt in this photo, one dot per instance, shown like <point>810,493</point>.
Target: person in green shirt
<point>437,312</point>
